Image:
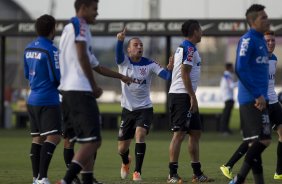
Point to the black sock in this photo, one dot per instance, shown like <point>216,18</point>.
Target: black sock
<point>46,154</point>
<point>238,154</point>
<point>87,177</point>
<point>173,166</point>
<point>124,157</point>
<point>279,158</point>
<point>258,170</point>
<point>252,155</point>
<point>68,155</point>
<point>196,166</point>
<point>140,149</point>
<point>72,172</point>
<point>35,158</point>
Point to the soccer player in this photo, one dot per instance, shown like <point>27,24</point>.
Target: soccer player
<point>183,105</point>
<point>252,69</point>
<point>137,112</point>
<point>41,68</point>
<point>79,90</point>
<point>227,86</point>
<point>275,111</point>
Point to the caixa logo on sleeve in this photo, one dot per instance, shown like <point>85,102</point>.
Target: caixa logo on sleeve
<point>244,46</point>
<point>262,60</point>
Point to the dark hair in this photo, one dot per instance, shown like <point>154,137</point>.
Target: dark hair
<point>269,33</point>
<point>189,26</point>
<point>252,12</point>
<point>44,25</point>
<point>79,3</point>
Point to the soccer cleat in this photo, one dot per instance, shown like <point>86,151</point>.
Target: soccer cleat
<point>33,180</point>
<point>201,178</point>
<point>174,179</point>
<point>124,170</point>
<point>136,176</point>
<point>61,182</point>
<point>96,182</point>
<point>42,181</point>
<point>226,171</point>
<point>277,176</point>
<point>234,180</point>
<point>76,180</point>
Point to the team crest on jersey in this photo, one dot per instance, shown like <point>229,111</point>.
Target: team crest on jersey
<point>244,46</point>
<point>34,55</point>
<point>143,71</point>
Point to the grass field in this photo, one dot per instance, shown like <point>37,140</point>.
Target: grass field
<point>15,167</point>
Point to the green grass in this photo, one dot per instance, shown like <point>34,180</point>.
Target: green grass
<point>15,167</point>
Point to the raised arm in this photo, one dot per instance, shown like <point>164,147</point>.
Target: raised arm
<point>119,48</point>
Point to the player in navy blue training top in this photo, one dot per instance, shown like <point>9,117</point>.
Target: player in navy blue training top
<point>252,70</point>
<point>41,68</point>
<point>275,111</point>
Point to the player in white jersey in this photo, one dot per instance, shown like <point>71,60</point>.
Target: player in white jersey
<point>275,111</point>
<point>183,105</point>
<point>227,85</point>
<point>79,90</point>
<point>137,107</point>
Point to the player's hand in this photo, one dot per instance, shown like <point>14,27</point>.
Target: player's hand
<point>170,63</point>
<point>260,103</point>
<point>121,35</point>
<point>97,92</point>
<point>126,80</point>
<point>194,104</point>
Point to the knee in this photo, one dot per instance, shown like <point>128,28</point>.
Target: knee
<point>55,139</point>
<point>266,142</point>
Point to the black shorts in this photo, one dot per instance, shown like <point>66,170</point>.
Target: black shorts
<point>132,119</point>
<point>44,120</point>
<point>81,116</point>
<point>180,117</point>
<point>255,123</point>
<point>275,115</point>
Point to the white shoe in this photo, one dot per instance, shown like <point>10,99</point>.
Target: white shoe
<point>33,180</point>
<point>42,181</point>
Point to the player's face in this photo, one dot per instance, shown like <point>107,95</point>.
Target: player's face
<point>198,35</point>
<point>261,24</point>
<point>135,48</point>
<point>270,41</point>
<point>91,12</point>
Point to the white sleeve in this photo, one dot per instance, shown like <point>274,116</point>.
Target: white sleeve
<point>93,61</point>
<point>157,68</point>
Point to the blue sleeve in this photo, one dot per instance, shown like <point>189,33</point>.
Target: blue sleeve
<point>165,74</point>
<point>54,68</point>
<point>75,23</point>
<point>26,69</point>
<point>119,52</point>
<point>243,66</point>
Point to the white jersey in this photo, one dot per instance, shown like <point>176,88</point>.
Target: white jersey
<point>273,98</point>
<point>227,86</point>
<point>72,75</point>
<point>137,94</point>
<point>185,54</point>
